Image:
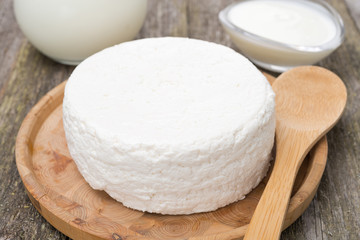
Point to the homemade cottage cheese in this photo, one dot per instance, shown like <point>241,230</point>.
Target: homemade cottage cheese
<point>170,125</point>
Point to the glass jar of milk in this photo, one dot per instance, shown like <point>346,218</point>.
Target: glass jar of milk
<point>69,31</point>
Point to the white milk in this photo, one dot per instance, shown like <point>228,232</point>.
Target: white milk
<point>283,33</point>
<point>71,30</point>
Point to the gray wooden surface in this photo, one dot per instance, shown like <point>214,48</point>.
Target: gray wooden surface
<point>26,75</point>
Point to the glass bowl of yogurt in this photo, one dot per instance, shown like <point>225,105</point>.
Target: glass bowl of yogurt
<point>69,31</point>
<point>280,34</point>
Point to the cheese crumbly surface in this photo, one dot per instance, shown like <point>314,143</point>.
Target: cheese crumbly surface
<point>170,125</point>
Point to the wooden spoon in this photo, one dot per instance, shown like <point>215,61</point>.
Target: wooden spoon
<point>309,101</point>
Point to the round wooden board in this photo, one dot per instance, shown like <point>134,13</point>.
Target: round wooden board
<point>61,195</point>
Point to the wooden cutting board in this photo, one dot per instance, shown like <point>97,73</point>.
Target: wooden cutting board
<point>61,195</point>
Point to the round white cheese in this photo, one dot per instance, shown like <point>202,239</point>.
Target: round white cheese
<point>170,125</point>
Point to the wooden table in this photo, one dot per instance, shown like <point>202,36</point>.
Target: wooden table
<point>26,75</point>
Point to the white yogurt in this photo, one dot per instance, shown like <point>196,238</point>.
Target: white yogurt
<point>282,34</point>
<point>290,22</point>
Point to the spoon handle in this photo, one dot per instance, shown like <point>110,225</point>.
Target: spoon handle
<point>268,218</point>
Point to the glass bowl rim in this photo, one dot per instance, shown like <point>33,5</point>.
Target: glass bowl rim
<point>330,45</point>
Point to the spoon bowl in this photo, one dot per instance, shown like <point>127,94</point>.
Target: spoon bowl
<point>310,100</point>
<point>318,98</point>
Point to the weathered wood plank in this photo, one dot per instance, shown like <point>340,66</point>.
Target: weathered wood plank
<point>10,42</point>
<point>204,23</point>
<point>354,9</point>
<point>165,18</point>
<point>28,82</point>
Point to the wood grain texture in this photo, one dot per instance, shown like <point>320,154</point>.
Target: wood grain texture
<point>309,102</point>
<point>26,75</point>
<point>59,192</point>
